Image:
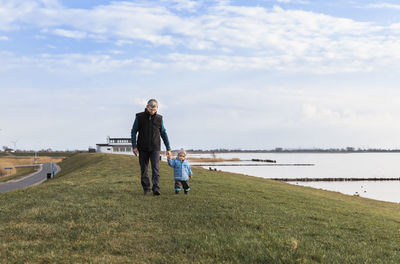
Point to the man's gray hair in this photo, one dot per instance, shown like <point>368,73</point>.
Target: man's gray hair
<point>152,103</point>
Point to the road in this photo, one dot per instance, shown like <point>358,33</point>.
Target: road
<point>32,179</point>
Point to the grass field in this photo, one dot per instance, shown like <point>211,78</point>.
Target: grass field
<point>94,211</point>
<point>10,162</point>
<point>20,172</point>
<point>39,153</point>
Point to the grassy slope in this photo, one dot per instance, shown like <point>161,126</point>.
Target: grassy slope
<point>95,212</point>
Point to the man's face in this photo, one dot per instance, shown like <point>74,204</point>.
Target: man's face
<point>181,157</point>
<point>152,110</point>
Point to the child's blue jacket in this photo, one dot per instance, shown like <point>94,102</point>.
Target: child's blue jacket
<point>182,169</point>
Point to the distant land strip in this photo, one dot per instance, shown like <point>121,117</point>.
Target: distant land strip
<point>305,150</point>
<point>333,179</point>
<point>252,164</point>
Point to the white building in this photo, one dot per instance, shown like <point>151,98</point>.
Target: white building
<point>116,146</point>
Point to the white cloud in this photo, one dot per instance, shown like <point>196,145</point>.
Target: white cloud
<point>124,42</point>
<point>70,62</point>
<point>383,5</point>
<point>14,11</point>
<point>123,20</point>
<point>4,38</point>
<point>342,111</point>
<point>293,1</point>
<point>51,3</point>
<point>395,28</point>
<point>186,5</point>
<point>141,102</point>
<point>70,33</point>
<point>325,115</point>
<point>237,37</point>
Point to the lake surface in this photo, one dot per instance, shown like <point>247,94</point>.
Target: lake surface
<point>326,165</point>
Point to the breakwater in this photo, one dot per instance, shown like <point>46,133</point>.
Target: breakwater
<point>250,164</point>
<point>332,179</point>
<point>264,160</point>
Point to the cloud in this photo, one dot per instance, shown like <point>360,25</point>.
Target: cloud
<point>293,1</point>
<point>141,102</point>
<point>12,12</point>
<point>340,110</point>
<point>383,6</point>
<point>325,115</point>
<point>221,37</point>
<point>183,5</point>
<point>4,38</point>
<point>70,33</point>
<point>123,21</point>
<point>70,62</point>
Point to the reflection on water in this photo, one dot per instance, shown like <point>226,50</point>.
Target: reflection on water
<point>338,165</point>
<point>378,190</point>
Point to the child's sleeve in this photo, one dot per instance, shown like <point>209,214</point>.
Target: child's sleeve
<point>190,170</point>
<point>171,163</point>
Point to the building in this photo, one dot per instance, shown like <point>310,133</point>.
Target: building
<point>115,146</point>
<point>91,150</point>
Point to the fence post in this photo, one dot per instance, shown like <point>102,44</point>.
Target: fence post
<point>53,169</point>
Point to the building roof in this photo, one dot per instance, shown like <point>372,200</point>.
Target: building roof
<point>117,142</point>
<point>114,145</point>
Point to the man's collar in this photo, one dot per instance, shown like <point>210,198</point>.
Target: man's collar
<point>148,113</point>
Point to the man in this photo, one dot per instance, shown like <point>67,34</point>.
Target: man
<point>150,127</point>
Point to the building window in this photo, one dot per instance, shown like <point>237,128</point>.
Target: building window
<point>115,149</point>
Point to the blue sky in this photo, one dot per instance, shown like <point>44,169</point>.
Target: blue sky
<point>228,74</point>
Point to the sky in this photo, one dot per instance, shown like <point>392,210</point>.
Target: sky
<point>255,74</point>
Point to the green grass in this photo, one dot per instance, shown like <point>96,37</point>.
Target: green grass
<point>21,172</point>
<point>94,212</point>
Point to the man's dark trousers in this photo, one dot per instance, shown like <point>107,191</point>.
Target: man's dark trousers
<point>154,157</point>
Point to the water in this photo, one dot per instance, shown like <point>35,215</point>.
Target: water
<point>332,165</point>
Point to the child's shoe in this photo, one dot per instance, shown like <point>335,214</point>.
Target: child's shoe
<point>176,192</point>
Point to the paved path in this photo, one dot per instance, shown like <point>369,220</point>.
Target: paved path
<point>30,180</point>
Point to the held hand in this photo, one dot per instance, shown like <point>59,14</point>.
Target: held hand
<point>168,154</point>
<point>135,151</point>
<point>190,176</point>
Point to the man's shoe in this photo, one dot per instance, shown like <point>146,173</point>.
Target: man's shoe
<point>145,192</point>
<point>156,193</point>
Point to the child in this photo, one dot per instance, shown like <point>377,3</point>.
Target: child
<point>182,171</point>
